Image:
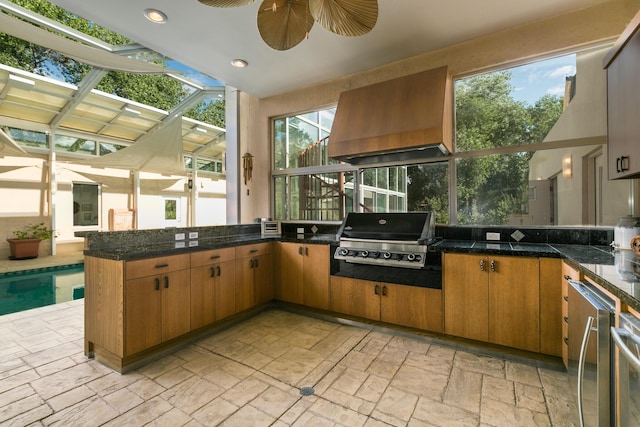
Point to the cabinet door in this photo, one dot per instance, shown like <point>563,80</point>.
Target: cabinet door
<point>176,304</point>
<point>514,306</point>
<point>142,313</point>
<point>623,103</point>
<point>315,277</point>
<point>568,272</point>
<point>203,284</point>
<point>244,284</point>
<point>466,296</point>
<point>551,306</point>
<point>225,290</point>
<point>355,297</point>
<point>411,306</point>
<point>289,288</point>
<point>263,282</point>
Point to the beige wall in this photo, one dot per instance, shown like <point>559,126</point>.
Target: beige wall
<point>585,28</point>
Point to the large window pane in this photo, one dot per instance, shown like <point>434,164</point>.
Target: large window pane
<point>322,197</point>
<point>85,204</point>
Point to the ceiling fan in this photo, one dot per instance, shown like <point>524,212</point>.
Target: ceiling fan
<point>285,23</point>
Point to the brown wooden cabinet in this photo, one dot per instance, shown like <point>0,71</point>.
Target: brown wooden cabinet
<point>623,103</point>
<point>568,273</point>
<point>303,274</point>
<point>551,306</point>
<point>213,286</point>
<point>411,306</point>
<point>493,299</point>
<point>157,301</point>
<point>254,283</point>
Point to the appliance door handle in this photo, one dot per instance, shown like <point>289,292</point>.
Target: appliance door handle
<point>581,362</point>
<point>626,357</point>
<point>618,335</point>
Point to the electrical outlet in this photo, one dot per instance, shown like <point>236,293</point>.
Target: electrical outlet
<point>300,230</point>
<point>179,245</point>
<point>179,236</point>
<point>493,236</point>
<point>193,234</point>
<point>193,243</point>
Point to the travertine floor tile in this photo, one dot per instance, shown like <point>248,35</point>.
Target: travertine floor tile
<point>252,373</point>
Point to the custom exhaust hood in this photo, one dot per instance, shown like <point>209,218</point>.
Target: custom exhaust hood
<point>407,118</point>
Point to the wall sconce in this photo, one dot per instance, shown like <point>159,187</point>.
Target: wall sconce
<point>567,166</point>
<point>247,167</point>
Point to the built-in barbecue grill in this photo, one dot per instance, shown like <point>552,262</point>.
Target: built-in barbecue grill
<point>388,247</point>
<point>392,239</point>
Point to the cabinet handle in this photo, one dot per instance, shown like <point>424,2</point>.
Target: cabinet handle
<point>218,271</point>
<point>567,277</point>
<point>566,319</point>
<point>251,263</point>
<point>162,265</point>
<point>384,291</point>
<point>482,265</point>
<point>253,251</point>
<point>565,297</point>
<point>257,263</point>
<point>566,340</point>
<point>622,164</point>
<point>213,274</point>
<point>157,284</point>
<point>376,289</point>
<point>493,265</point>
<point>214,257</point>
<point>166,282</point>
<point>306,251</point>
<point>299,250</point>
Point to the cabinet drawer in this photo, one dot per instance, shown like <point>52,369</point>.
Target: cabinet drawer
<point>212,256</point>
<point>252,250</point>
<point>151,266</point>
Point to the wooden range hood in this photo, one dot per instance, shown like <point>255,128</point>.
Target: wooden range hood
<point>407,118</point>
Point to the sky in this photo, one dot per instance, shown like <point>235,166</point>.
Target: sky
<point>534,80</point>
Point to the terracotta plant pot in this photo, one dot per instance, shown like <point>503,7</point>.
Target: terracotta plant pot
<point>24,248</point>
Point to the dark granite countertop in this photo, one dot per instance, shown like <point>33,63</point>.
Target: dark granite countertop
<point>613,270</point>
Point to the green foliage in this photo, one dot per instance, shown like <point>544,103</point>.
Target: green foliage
<point>34,231</point>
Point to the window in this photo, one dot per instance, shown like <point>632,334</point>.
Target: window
<point>513,128</point>
<point>85,204</point>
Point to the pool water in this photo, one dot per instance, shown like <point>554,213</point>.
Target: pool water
<point>23,290</point>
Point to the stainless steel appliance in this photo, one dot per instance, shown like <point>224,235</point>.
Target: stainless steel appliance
<point>626,229</point>
<point>591,315</point>
<point>388,247</point>
<point>627,340</point>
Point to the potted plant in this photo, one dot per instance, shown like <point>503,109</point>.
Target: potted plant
<point>26,243</point>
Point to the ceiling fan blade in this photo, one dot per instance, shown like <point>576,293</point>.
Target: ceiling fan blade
<point>226,3</point>
<point>345,17</point>
<point>285,27</point>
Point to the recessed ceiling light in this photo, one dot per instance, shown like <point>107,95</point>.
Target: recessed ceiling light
<point>239,63</point>
<point>155,16</point>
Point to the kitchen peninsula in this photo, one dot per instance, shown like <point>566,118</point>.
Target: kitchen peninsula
<point>146,293</point>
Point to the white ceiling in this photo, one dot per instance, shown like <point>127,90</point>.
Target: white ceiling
<point>207,38</point>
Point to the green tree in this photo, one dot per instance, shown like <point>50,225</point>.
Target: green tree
<point>160,91</point>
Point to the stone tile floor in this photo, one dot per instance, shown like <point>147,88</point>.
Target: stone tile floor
<point>253,373</point>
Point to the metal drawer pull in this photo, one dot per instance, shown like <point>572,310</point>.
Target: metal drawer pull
<point>218,271</point>
<point>306,251</point>
<point>162,265</point>
<point>213,274</point>
<point>493,265</point>
<point>253,251</point>
<point>256,262</point>
<point>251,263</point>
<point>214,257</point>
<point>566,319</point>
<point>567,277</point>
<point>299,250</point>
<point>566,297</point>
<point>157,284</point>
<point>376,289</point>
<point>566,340</point>
<point>482,265</point>
<point>384,291</point>
<point>166,282</point>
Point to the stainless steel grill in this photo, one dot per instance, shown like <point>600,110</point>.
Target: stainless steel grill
<point>388,239</point>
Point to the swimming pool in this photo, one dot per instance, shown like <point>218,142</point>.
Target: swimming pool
<point>22,290</point>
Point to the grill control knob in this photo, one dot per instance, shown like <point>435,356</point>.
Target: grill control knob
<point>386,255</point>
<point>364,254</point>
<point>342,252</point>
<point>411,257</point>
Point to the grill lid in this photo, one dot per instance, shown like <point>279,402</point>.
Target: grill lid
<point>418,227</point>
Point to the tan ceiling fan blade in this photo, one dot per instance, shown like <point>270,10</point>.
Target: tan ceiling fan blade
<point>285,27</point>
<point>226,3</point>
<point>345,17</point>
